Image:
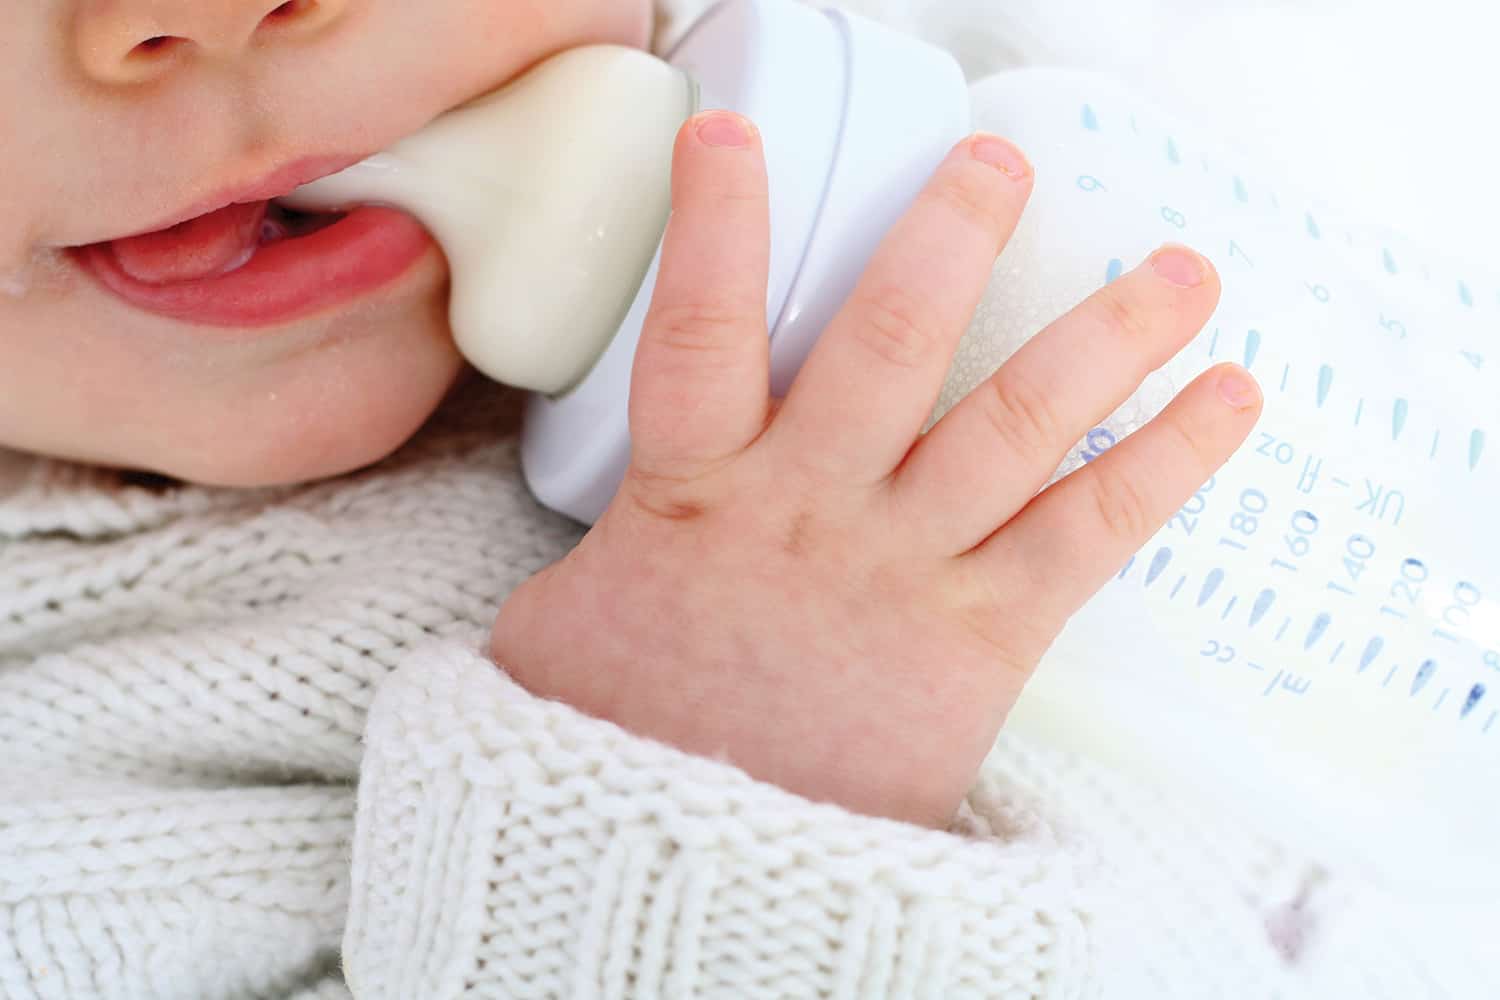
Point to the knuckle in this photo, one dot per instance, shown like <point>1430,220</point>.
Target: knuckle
<point>1015,633</point>
<point>704,327</point>
<point>973,193</point>
<point>1124,315</point>
<point>892,328</point>
<point>1183,439</point>
<point>1021,414</point>
<point>667,496</point>
<point>742,194</point>
<point>1121,503</point>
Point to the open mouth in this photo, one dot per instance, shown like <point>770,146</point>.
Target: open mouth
<point>214,245</point>
<point>257,263</point>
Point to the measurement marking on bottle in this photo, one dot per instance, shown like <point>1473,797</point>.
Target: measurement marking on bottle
<point>1319,626</point>
<point>1113,271</point>
<point>1285,372</point>
<point>1441,698</point>
<point>1287,682</point>
<point>1159,564</point>
<point>1436,436</point>
<point>1325,384</point>
<point>1229,608</point>
<point>1359,411</point>
<point>1262,605</point>
<point>1210,586</point>
<point>1490,721</point>
<point>1252,347</point>
<point>1127,568</point>
<point>1476,449</point>
<point>1398,418</point>
<point>1213,345</point>
<point>1282,631</point>
<point>1476,693</point>
<point>1180,581</point>
<point>1390,676</point>
<point>1424,674</point>
<point>1336,653</point>
<point>1372,650</point>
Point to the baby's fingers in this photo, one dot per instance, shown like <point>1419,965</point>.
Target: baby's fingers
<point>1079,533</point>
<point>700,387</point>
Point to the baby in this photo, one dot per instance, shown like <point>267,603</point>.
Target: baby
<point>728,743</point>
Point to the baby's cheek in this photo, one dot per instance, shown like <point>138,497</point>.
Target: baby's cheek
<point>1031,288</point>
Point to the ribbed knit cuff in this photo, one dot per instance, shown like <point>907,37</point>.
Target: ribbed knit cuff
<point>512,847</point>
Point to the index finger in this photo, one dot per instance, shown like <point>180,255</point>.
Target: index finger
<point>700,386</point>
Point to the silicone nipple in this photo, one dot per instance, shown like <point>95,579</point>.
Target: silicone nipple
<point>549,197</point>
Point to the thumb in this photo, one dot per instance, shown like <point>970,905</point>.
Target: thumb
<point>701,383</point>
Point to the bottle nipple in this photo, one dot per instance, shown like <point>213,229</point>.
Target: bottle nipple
<point>549,198</point>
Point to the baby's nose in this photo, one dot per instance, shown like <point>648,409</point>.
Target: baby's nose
<point>137,41</point>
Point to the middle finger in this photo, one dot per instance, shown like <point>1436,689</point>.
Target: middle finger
<point>874,376</point>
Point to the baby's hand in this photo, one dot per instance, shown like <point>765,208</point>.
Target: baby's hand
<point>809,587</point>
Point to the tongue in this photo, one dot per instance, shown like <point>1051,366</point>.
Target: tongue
<point>205,247</point>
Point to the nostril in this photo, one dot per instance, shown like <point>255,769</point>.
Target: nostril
<point>299,18</point>
<point>156,47</point>
<point>289,10</point>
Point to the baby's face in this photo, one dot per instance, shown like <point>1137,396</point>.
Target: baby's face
<point>249,347</point>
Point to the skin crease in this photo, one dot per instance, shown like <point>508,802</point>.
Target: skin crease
<point>90,157</point>
<point>803,585</point>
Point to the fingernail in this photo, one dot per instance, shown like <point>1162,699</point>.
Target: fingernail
<point>1001,155</point>
<point>724,130</point>
<point>1238,388</point>
<point>1179,265</point>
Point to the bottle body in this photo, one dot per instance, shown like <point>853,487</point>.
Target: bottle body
<point>1315,637</point>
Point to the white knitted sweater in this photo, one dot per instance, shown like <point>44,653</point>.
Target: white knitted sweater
<point>192,681</point>
<point>250,746</point>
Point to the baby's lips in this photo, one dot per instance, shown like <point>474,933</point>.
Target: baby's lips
<point>206,247</point>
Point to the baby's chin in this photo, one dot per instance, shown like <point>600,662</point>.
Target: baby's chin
<point>361,391</point>
<point>335,410</point>
<point>309,400</point>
